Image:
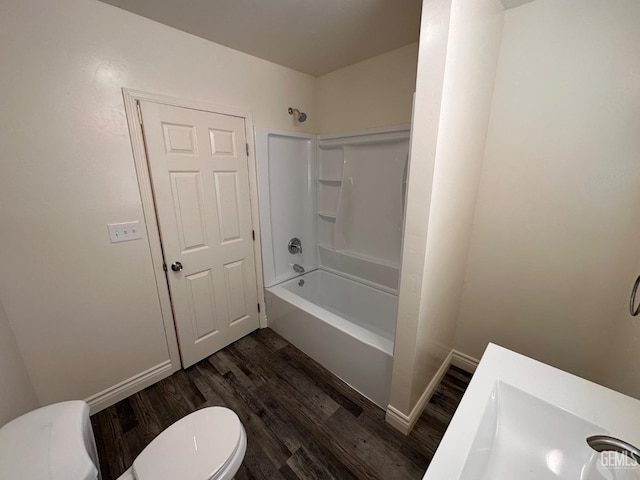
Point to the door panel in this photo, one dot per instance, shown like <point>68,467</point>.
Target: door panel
<point>234,277</point>
<point>204,319</point>
<point>180,139</point>
<point>189,209</point>
<point>223,142</point>
<point>200,178</point>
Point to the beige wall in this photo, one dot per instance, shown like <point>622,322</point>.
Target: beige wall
<point>429,86</point>
<point>16,392</point>
<point>374,93</point>
<point>472,56</point>
<point>621,366</point>
<point>86,312</point>
<point>619,184</point>
<point>435,245</point>
<point>554,246</point>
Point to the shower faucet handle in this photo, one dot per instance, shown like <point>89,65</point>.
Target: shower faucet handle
<point>294,246</point>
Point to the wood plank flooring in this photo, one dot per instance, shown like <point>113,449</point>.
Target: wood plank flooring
<point>301,421</point>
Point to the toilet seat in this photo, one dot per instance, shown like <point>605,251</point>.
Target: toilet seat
<point>207,444</point>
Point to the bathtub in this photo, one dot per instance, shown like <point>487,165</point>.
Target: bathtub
<point>346,326</point>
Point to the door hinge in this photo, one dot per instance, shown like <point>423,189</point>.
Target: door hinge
<point>164,267</point>
<point>247,145</point>
<point>139,112</point>
<point>253,235</point>
<point>258,307</point>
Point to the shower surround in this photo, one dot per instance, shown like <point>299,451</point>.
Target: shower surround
<point>342,196</point>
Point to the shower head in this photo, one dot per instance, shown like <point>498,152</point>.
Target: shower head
<point>300,116</point>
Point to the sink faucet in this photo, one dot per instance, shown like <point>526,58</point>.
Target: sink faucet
<point>601,443</point>
<point>298,268</point>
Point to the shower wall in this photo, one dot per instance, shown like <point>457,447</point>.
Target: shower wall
<point>342,195</point>
<point>287,186</point>
<point>360,203</point>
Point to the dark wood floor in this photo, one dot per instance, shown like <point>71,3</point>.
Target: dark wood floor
<point>301,421</point>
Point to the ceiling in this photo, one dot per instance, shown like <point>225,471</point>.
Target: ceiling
<point>311,36</point>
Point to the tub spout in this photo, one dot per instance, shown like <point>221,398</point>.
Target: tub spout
<point>298,268</point>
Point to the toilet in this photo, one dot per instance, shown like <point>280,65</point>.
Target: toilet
<point>57,443</point>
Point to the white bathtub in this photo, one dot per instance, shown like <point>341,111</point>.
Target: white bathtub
<point>346,326</point>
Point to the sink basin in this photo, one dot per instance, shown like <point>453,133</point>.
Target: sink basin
<point>520,419</point>
<point>521,436</point>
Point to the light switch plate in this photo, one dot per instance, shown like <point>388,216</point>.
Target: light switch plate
<point>123,232</point>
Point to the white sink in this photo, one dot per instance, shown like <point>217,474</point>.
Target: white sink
<point>520,419</point>
<point>521,436</point>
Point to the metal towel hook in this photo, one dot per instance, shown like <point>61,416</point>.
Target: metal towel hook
<point>634,311</point>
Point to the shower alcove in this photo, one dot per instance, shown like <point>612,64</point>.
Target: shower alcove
<point>342,196</point>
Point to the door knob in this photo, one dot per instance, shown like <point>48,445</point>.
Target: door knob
<point>176,266</point>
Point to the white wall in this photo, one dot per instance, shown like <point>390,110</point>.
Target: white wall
<point>472,57</point>
<point>434,31</point>
<point>16,391</point>
<point>85,312</point>
<point>453,101</point>
<point>373,93</point>
<point>554,246</point>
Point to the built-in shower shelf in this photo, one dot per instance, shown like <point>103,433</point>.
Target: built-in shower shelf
<point>330,216</point>
<point>330,180</point>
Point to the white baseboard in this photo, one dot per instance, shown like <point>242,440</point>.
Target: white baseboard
<point>128,387</point>
<point>404,423</point>
<point>464,361</point>
<point>397,420</point>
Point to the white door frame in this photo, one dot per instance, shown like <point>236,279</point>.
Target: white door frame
<point>131,97</point>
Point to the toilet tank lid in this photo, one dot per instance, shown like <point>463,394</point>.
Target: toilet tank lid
<point>196,447</point>
<point>50,443</point>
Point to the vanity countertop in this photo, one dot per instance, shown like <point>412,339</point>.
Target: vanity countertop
<point>567,395</point>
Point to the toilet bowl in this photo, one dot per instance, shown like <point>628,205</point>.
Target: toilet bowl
<point>57,443</point>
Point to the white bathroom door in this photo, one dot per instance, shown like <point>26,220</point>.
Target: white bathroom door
<point>200,177</point>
